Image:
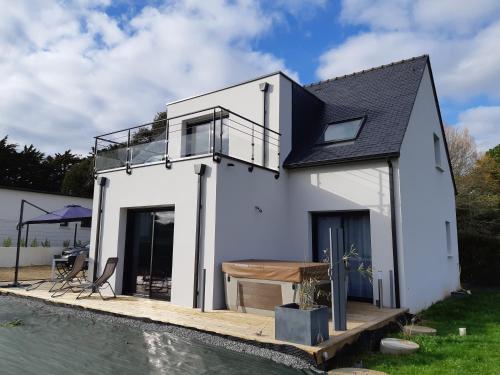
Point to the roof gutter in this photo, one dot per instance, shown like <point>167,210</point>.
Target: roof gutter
<point>341,161</point>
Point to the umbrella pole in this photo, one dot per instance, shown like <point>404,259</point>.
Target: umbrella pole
<point>18,249</point>
<point>74,237</point>
<point>26,238</point>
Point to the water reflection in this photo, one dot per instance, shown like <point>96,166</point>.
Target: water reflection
<point>54,340</point>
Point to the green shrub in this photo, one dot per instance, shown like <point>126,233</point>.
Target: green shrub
<point>66,243</point>
<point>34,242</point>
<point>7,242</point>
<point>23,243</point>
<point>479,258</point>
<point>45,243</point>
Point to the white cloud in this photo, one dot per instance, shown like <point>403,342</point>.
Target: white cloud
<point>483,124</point>
<point>69,71</point>
<point>460,36</point>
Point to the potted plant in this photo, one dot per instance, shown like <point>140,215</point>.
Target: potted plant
<point>307,322</point>
<point>303,323</point>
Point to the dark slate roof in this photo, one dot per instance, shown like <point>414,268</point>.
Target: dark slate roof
<point>384,95</point>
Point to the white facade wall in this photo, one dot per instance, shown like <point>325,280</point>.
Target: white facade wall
<point>251,219</point>
<point>426,200</point>
<point>346,187</point>
<point>10,204</point>
<point>156,186</point>
<point>245,100</point>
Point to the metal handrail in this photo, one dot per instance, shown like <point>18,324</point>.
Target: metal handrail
<point>216,150</point>
<point>188,114</point>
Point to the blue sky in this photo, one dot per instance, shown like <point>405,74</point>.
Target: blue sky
<point>72,69</point>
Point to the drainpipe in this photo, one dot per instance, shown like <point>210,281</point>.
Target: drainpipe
<point>101,181</point>
<point>199,169</point>
<point>394,234</point>
<point>264,87</point>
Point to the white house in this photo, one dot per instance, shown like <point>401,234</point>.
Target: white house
<point>283,163</point>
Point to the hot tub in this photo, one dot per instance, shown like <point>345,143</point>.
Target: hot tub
<point>257,286</point>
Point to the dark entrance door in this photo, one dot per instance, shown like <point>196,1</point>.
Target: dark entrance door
<point>356,229</point>
<point>148,253</point>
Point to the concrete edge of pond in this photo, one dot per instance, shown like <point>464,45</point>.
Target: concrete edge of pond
<point>282,354</point>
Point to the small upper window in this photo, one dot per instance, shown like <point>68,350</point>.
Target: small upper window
<point>342,131</point>
<point>437,152</point>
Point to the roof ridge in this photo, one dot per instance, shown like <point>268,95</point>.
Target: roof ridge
<point>366,70</point>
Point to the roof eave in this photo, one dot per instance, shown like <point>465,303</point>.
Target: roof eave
<point>385,156</point>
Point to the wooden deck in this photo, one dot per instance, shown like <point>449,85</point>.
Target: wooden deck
<point>360,317</point>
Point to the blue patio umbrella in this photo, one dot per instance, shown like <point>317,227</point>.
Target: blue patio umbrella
<point>66,214</point>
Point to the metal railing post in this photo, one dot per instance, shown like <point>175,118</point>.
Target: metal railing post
<point>213,135</point>
<point>277,175</point>
<point>127,162</point>
<point>95,158</point>
<point>168,164</point>
<point>221,130</point>
<point>250,169</point>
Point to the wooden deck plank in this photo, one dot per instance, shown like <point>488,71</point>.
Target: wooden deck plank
<point>360,317</point>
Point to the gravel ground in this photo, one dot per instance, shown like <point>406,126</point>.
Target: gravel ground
<point>286,355</point>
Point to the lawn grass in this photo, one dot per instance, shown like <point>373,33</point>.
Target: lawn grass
<point>448,353</point>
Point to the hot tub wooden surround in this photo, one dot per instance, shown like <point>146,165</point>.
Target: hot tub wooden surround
<point>254,328</point>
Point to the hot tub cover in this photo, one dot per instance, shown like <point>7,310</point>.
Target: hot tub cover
<point>277,270</point>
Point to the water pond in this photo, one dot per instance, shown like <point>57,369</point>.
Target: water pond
<point>36,338</point>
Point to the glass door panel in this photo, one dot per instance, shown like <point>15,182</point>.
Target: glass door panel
<point>148,253</point>
<point>163,245</point>
<point>356,229</point>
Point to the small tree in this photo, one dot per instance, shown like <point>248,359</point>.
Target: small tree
<point>79,179</point>
<point>463,151</point>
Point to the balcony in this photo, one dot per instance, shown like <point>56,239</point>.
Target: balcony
<point>216,132</point>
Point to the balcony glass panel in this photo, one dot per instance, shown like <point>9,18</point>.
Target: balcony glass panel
<point>214,131</point>
<point>111,152</point>
<point>147,143</point>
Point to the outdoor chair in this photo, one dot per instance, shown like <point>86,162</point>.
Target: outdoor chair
<point>64,278</point>
<point>74,272</point>
<point>96,286</point>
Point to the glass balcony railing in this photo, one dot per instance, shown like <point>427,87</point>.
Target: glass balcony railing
<point>215,131</point>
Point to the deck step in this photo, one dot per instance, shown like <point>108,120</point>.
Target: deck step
<point>413,330</point>
<point>354,371</point>
<point>398,346</point>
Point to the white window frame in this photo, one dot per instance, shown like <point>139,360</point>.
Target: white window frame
<point>437,153</point>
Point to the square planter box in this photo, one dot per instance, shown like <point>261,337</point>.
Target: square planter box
<point>307,327</point>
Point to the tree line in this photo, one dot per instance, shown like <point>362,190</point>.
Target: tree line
<point>28,167</point>
<point>477,177</point>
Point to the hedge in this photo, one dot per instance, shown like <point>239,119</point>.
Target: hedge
<point>479,259</point>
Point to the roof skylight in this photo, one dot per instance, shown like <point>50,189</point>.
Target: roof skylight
<point>341,131</point>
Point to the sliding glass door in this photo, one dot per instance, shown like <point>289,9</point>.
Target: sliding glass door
<point>148,253</point>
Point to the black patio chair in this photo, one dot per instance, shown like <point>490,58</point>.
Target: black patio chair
<point>96,286</point>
